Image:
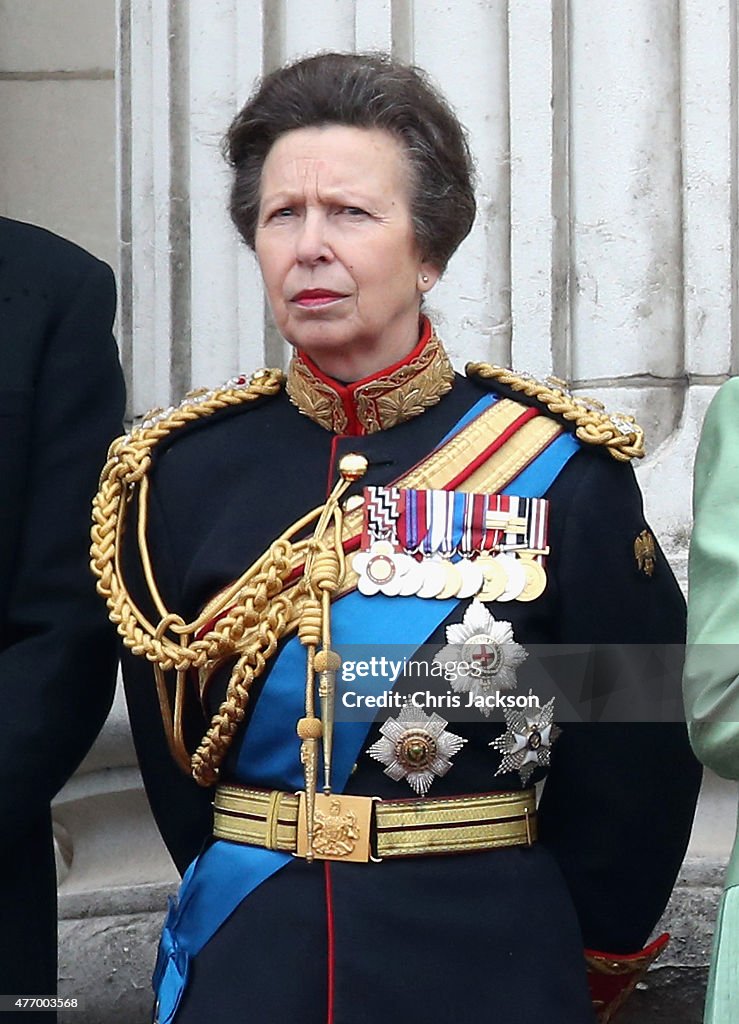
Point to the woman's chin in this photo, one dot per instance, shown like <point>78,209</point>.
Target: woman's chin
<point>328,341</point>
<point>341,351</point>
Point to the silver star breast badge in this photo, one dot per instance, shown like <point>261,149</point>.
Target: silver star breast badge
<point>527,742</point>
<point>416,747</point>
<point>486,647</point>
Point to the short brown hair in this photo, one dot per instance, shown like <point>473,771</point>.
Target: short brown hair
<point>363,90</point>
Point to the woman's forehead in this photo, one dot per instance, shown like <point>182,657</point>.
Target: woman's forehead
<point>333,158</point>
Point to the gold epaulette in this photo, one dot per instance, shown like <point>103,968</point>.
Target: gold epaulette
<point>620,434</point>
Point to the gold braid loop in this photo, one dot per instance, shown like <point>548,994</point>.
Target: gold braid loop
<point>128,463</point>
<point>207,759</point>
<point>326,571</point>
<point>167,643</point>
<point>311,619</point>
<point>245,613</point>
<point>620,434</point>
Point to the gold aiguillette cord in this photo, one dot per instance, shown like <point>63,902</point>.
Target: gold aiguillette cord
<point>324,571</point>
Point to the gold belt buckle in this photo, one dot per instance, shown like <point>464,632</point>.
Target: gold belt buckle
<point>341,830</point>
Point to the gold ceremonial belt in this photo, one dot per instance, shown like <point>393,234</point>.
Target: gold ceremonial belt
<point>362,828</point>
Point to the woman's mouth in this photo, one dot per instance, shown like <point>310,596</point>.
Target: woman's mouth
<point>316,297</point>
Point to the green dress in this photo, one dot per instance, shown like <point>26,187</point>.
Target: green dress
<point>711,680</point>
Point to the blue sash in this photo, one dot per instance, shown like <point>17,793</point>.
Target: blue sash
<point>217,881</point>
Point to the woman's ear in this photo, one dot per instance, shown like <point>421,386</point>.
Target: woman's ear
<point>428,275</point>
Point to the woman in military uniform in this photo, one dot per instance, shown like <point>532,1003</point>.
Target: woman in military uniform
<point>374,497</point>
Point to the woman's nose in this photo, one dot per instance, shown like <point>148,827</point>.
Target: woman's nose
<point>312,242</point>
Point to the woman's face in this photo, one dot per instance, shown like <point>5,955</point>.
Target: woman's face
<point>336,248</point>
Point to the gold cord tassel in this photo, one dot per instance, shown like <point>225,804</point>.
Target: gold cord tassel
<point>327,663</point>
<point>309,728</point>
<point>324,571</point>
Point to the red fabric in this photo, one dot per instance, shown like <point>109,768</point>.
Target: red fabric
<point>607,989</point>
<point>331,463</point>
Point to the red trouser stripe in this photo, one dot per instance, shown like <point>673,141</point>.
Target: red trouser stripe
<point>330,936</point>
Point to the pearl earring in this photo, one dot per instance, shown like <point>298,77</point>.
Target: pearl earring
<point>425,278</point>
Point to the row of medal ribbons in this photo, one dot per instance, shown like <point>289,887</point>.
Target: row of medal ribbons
<point>446,544</point>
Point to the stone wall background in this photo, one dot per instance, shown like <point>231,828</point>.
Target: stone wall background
<point>605,252</point>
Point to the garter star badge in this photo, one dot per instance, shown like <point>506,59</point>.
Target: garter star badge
<point>527,742</point>
<point>487,647</point>
<point>416,747</point>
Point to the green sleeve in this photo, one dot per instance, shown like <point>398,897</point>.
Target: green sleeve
<point>711,680</point>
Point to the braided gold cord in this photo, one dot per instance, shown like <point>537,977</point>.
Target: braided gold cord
<point>269,575</point>
<point>620,434</point>
<point>254,601</point>
<point>309,627</point>
<point>208,757</point>
<point>129,461</point>
<point>326,571</point>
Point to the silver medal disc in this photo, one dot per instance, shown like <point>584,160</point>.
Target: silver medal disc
<point>516,577</point>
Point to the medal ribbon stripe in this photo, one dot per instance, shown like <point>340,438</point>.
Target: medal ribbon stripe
<point>413,521</point>
<point>496,513</point>
<point>486,535</point>
<point>473,519</point>
<point>423,516</point>
<point>381,511</point>
<point>518,516</point>
<point>441,506</point>
<point>538,523</point>
<point>459,506</point>
<point>409,531</point>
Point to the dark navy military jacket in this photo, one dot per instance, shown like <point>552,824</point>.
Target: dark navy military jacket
<point>492,936</point>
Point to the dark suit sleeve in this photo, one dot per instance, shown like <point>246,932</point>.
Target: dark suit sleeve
<point>618,803</point>
<point>57,664</point>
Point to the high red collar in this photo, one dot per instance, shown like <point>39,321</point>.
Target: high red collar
<point>382,400</point>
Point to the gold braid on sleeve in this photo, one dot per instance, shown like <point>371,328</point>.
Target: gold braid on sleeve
<point>250,615</point>
<point>620,434</point>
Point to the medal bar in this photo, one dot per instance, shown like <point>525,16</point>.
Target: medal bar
<point>447,544</point>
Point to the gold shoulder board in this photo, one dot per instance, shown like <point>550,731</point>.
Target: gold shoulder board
<point>619,433</point>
